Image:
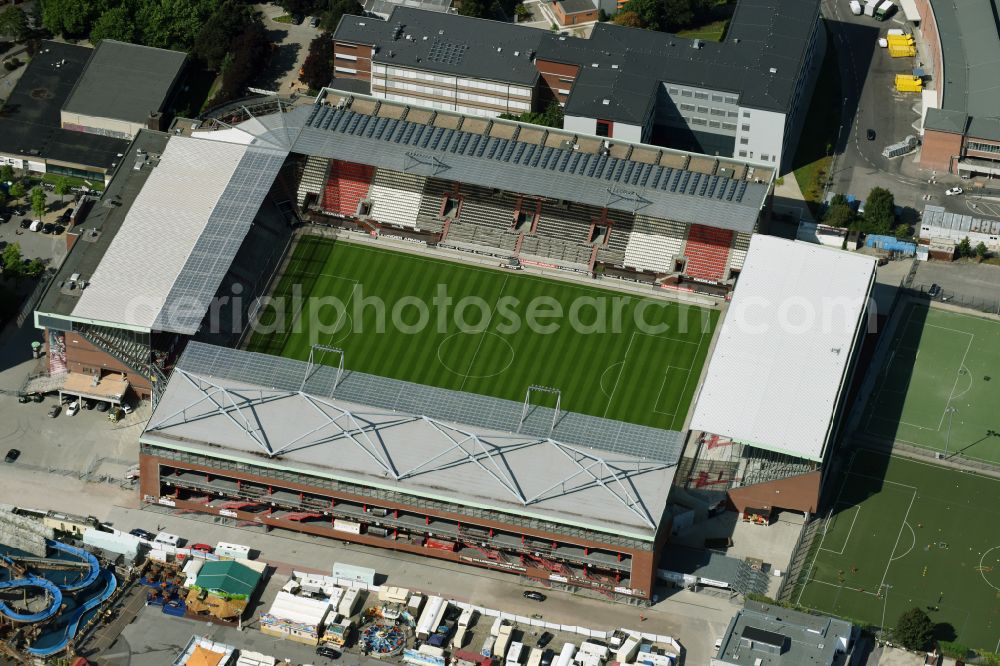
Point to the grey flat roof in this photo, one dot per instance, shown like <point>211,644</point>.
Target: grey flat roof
<point>331,436</point>
<point>946,120</point>
<point>125,81</point>
<point>574,6</point>
<point>806,640</point>
<point>936,216</point>
<point>100,226</point>
<point>529,168</point>
<point>970,51</point>
<point>30,124</point>
<point>447,43</point>
<point>985,128</point>
<point>385,7</point>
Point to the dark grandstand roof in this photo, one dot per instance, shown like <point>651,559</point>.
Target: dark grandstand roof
<point>530,168</point>
<point>352,85</point>
<point>759,60</point>
<point>125,81</point>
<point>30,124</point>
<point>447,43</point>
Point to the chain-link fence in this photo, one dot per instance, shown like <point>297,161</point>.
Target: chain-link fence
<point>981,304</point>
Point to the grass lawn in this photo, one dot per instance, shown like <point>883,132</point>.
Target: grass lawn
<point>284,18</point>
<point>711,32</point>
<point>624,370</point>
<point>819,135</point>
<point>909,534</point>
<point>93,184</point>
<point>940,361</point>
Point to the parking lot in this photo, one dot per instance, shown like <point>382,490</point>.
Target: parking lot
<point>291,48</point>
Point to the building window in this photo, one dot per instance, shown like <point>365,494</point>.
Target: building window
<point>718,112</point>
<point>713,123</point>
<point>686,93</point>
<point>701,95</point>
<point>673,91</point>
<point>743,153</point>
<point>744,141</point>
<point>765,157</point>
<point>729,126</point>
<point>716,98</point>
<point>604,127</point>
<point>344,56</point>
<point>569,81</point>
<point>702,109</point>
<point>732,114</point>
<point>562,91</point>
<point>731,100</point>
<point>345,70</point>
<point>983,147</point>
<point>698,121</point>
<point>745,128</point>
<point>687,107</point>
<point>746,114</point>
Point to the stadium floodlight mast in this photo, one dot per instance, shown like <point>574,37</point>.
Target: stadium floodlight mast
<point>537,388</point>
<point>311,364</point>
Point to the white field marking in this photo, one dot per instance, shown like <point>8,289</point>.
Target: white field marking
<point>896,545</point>
<point>845,587</point>
<point>663,383</point>
<point>880,480</point>
<point>485,330</point>
<point>621,371</point>
<point>914,535</point>
<point>849,532</point>
<point>684,388</point>
<point>957,375</point>
<point>907,423</point>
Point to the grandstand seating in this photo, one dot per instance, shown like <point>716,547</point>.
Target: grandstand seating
<point>396,197</point>
<point>313,174</point>
<point>566,224</point>
<point>654,243</point>
<point>501,242</point>
<point>556,250</point>
<point>707,252</point>
<point>429,212</point>
<point>487,209</point>
<point>741,243</point>
<point>346,185</point>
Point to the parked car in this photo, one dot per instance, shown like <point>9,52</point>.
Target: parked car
<point>48,228</point>
<point>328,652</point>
<point>544,639</point>
<point>871,135</point>
<point>88,404</point>
<point>313,21</point>
<point>534,596</point>
<point>547,658</point>
<point>952,191</point>
<point>54,411</point>
<point>296,19</point>
<point>142,534</point>
<point>72,408</point>
<point>25,223</point>
<point>58,229</point>
<point>202,547</point>
<point>127,408</point>
<point>12,456</point>
<point>103,406</point>
<point>934,291</point>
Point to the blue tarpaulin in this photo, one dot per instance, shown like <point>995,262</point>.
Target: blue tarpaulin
<point>891,244</point>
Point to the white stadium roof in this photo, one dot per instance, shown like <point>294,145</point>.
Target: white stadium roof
<point>784,349</point>
<point>180,235</point>
<point>420,456</point>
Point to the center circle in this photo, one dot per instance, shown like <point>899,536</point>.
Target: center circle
<point>453,353</point>
<point>989,567</point>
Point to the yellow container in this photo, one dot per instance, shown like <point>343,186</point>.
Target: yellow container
<point>898,39</point>
<point>902,51</point>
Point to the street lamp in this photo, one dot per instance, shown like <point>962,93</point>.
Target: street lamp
<point>951,413</point>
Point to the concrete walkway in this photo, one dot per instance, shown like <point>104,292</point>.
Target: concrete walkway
<point>788,199</point>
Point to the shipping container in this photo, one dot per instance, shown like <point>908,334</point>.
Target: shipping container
<point>233,551</point>
<point>514,654</point>
<point>566,655</point>
<point>909,83</point>
<point>871,6</point>
<point>458,642</point>
<point>465,619</point>
<point>503,640</point>
<point>342,525</point>
<point>902,51</point>
<point>440,544</point>
<point>349,604</point>
<point>487,649</point>
<point>431,618</point>
<point>534,657</point>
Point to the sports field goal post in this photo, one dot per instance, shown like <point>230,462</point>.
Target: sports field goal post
<point>536,388</point>
<point>311,364</point>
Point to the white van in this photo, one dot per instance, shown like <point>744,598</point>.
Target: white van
<point>35,226</point>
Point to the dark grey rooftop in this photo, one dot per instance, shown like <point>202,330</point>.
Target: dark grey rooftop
<point>385,7</point>
<point>125,81</point>
<point>352,85</point>
<point>759,60</point>
<point>550,168</point>
<point>946,120</point>
<point>447,43</point>
<point>804,639</point>
<point>101,224</point>
<point>612,95</point>
<point>970,51</point>
<point>30,124</point>
<point>982,127</point>
<point>574,6</point>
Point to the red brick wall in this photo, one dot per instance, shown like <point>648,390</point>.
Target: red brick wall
<point>928,30</point>
<point>939,149</point>
<point>554,76</point>
<point>573,19</point>
<point>85,358</point>
<point>363,63</point>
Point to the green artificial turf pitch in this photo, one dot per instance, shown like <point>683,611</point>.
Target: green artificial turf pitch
<point>909,534</point>
<point>625,372</point>
<point>940,361</point>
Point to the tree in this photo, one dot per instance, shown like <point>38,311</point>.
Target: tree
<point>300,6</point>
<point>116,23</point>
<point>17,190</point>
<point>650,12</point>
<point>172,24</point>
<point>6,173</point>
<point>317,70</point>
<point>521,12</point>
<point>914,630</point>
<point>627,19</point>
<point>212,43</point>
<point>70,17</point>
<point>981,250</point>
<point>62,187</point>
<point>839,213</point>
<point>880,211</point>
<point>249,53</point>
<point>551,117</point>
<point>677,14</point>
<point>902,231</point>
<point>38,201</point>
<point>965,247</point>
<point>13,262</point>
<point>330,18</point>
<point>474,8</point>
<point>13,22</point>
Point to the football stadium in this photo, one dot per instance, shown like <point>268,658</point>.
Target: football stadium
<point>476,340</point>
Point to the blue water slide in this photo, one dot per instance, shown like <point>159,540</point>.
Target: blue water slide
<point>73,621</point>
<point>92,574</point>
<point>55,598</point>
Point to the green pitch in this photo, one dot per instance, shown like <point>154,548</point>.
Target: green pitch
<point>603,362</point>
<point>906,534</point>
<point>942,374</point>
